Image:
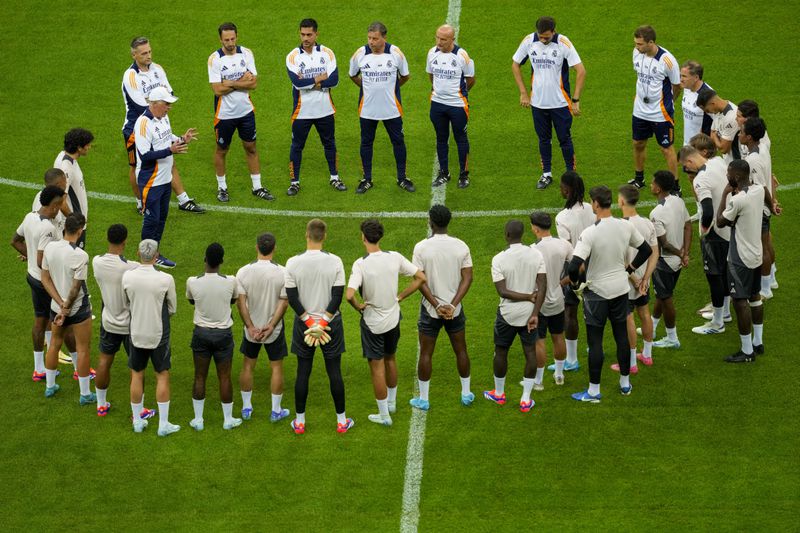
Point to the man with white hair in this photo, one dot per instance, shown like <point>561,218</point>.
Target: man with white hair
<point>150,295</point>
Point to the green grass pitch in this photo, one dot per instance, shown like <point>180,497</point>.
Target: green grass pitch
<point>699,445</point>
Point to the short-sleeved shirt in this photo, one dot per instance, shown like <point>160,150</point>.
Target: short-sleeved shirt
<point>571,222</point>
<point>223,67</point>
<point>648,231</point>
<point>518,265</point>
<point>136,87</point>
<point>710,183</point>
<point>744,210</point>
<point>695,119</point>
<point>724,123</point>
<point>150,295</point>
<point>760,163</point>
<point>379,97</point>
<point>154,137</point>
<point>655,77</point>
<point>77,200</point>
<point>302,68</point>
<point>262,282</point>
<point>59,219</point>
<point>314,273</point>
<point>67,262</point>
<point>550,65</point>
<point>764,144</point>
<point>605,245</point>
<point>38,232</point>
<point>377,274</point>
<point>669,218</point>
<point>556,252</point>
<point>108,270</point>
<point>450,71</point>
<point>442,257</point>
<point>212,295</point>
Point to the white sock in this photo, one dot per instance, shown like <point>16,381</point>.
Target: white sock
<point>198,408</point>
<point>718,316</point>
<point>765,284</point>
<point>136,409</point>
<point>572,351</point>
<point>527,387</point>
<point>747,344</point>
<point>559,368</point>
<point>594,389</point>
<point>301,418</point>
<point>139,203</point>
<point>276,402</point>
<point>672,333</point>
<point>758,333</point>
<point>163,414</point>
<point>424,387</point>
<point>772,270</point>
<point>334,177</point>
<point>633,357</point>
<point>222,182</point>
<point>383,408</point>
<point>247,396</point>
<point>83,383</point>
<point>465,385</point>
<point>50,377</point>
<point>256,179</point>
<point>183,198</point>
<point>624,381</point>
<point>547,174</point>
<point>392,394</point>
<point>539,376</point>
<point>47,336</point>
<point>38,362</point>
<point>227,411</point>
<point>647,351</point>
<point>341,418</point>
<point>101,396</point>
<point>726,305</point>
<point>499,386</point>
<point>655,325</point>
<point>74,356</point>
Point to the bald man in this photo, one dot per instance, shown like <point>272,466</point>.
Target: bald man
<point>452,75</point>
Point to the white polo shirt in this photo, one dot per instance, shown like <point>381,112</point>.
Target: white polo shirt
<point>221,67</point>
<point>38,232</point>
<point>108,270</point>
<point>213,295</point>
<point>150,295</point>
<point>669,218</point>
<point>648,231</point>
<point>314,273</point>
<point>377,275</point>
<point>550,64</point>
<point>154,159</point>
<point>302,68</point>
<point>441,257</point>
<point>66,262</point>
<point>605,245</point>
<point>710,182</point>
<point>693,116</point>
<point>136,87</point>
<point>450,71</point>
<point>262,282</point>
<point>655,77</point>
<point>379,97</point>
<point>571,222</point>
<point>744,210</point>
<point>518,265</point>
<point>556,252</point>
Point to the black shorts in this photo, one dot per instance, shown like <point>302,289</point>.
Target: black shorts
<point>329,351</point>
<point>377,345</point>
<point>553,323</point>
<point>596,309</point>
<point>664,132</point>
<point>81,315</point>
<point>161,356</point>
<point>41,300</point>
<point>765,220</point>
<point>664,280</point>
<point>715,254</point>
<point>429,326</point>
<point>505,333</point>
<point>745,283</point>
<point>640,301</point>
<point>130,147</point>
<point>110,342</point>
<point>216,342</point>
<point>276,350</point>
<point>246,126</point>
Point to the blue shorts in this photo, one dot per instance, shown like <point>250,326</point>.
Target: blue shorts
<point>245,125</point>
<point>664,132</point>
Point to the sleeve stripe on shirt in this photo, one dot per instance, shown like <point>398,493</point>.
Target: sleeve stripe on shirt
<point>143,128</point>
<point>668,62</point>
<point>132,79</point>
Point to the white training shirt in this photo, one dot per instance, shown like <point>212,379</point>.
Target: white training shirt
<point>760,163</point>
<point>108,270</point>
<point>154,159</point>
<point>655,77</point>
<point>556,252</point>
<point>744,210</point>
<point>223,67</point>
<point>59,219</point>
<point>77,200</point>
<point>136,87</point>
<point>150,295</point>
<point>302,68</point>
<point>710,182</point>
<point>377,274</point>
<point>605,245</point>
<point>727,128</point>
<point>571,222</point>
<point>379,97</point>
<point>314,273</point>
<point>38,232</point>
<point>763,144</point>
<point>694,118</point>
<point>450,71</point>
<point>669,218</point>
<point>66,262</point>
<point>213,295</point>
<point>441,257</point>
<point>550,64</point>
<point>262,282</point>
<point>518,265</point>
<point>648,231</point>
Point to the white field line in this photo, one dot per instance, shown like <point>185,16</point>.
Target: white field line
<point>487,213</point>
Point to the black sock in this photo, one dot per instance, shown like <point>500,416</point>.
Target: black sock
<point>639,175</point>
